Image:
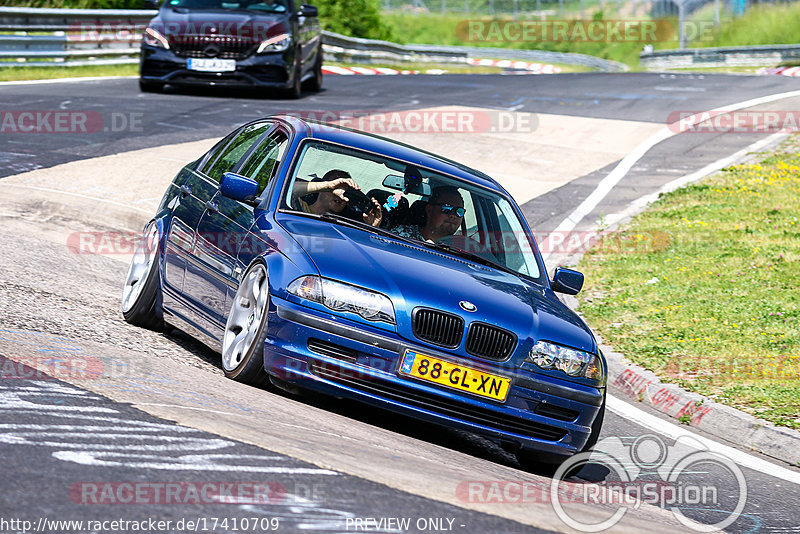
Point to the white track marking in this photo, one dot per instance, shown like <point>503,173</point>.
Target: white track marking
<point>184,463</point>
<point>623,167</point>
<point>641,202</point>
<point>673,431</point>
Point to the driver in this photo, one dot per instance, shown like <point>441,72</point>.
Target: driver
<point>443,215</point>
<point>326,195</point>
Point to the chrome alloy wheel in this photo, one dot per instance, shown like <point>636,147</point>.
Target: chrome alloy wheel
<point>139,271</point>
<point>245,318</point>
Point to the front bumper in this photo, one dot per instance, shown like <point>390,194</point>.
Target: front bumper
<point>335,356</point>
<point>266,70</point>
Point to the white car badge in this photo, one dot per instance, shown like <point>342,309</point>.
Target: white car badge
<point>467,306</point>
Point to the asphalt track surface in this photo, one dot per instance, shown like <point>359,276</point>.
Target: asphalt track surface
<point>43,464</point>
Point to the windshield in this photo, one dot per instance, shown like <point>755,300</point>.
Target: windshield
<point>273,6</point>
<point>415,203</point>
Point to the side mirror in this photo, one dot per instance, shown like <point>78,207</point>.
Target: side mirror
<point>567,281</point>
<point>307,10</point>
<point>150,4</point>
<point>238,187</point>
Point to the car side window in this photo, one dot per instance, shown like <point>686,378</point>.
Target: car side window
<point>230,155</point>
<point>264,162</point>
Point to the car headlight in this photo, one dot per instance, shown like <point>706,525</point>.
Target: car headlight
<point>342,297</point>
<point>153,38</point>
<point>573,362</point>
<point>279,43</point>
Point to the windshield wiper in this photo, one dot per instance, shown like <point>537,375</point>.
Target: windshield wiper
<point>469,256</point>
<point>354,223</point>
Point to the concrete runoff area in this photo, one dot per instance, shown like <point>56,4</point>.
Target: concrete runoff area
<point>121,191</point>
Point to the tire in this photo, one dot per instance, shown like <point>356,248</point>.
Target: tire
<point>246,329</point>
<point>315,84</point>
<point>294,92</point>
<point>141,296</point>
<point>150,87</point>
<point>547,464</point>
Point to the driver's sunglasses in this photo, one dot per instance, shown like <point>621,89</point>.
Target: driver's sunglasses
<point>451,210</point>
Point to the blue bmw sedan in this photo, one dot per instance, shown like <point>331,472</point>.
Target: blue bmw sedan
<point>316,257</point>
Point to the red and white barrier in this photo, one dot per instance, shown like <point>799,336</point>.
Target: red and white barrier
<point>536,68</point>
<point>368,71</point>
<point>780,71</point>
<point>524,66</point>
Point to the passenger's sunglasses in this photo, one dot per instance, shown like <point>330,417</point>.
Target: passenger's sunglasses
<point>451,210</point>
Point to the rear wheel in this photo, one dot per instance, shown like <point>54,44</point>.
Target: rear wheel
<point>246,329</point>
<point>140,296</point>
<point>548,464</point>
<point>150,87</point>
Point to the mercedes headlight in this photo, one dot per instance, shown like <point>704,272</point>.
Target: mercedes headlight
<point>343,297</point>
<point>279,43</point>
<point>573,362</point>
<point>154,38</point>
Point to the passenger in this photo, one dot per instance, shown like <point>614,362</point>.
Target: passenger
<point>326,195</point>
<point>443,215</point>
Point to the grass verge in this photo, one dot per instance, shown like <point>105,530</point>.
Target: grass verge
<point>702,287</point>
<point>443,29</point>
<point>48,73</point>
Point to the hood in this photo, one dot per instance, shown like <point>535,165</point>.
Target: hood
<point>415,276</point>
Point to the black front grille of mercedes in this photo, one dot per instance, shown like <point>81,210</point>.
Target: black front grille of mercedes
<point>442,405</point>
<point>487,341</point>
<point>439,328</point>
<point>211,46</point>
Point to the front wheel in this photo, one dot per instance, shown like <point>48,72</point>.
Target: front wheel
<point>296,90</point>
<point>315,83</point>
<point>140,295</point>
<point>246,329</point>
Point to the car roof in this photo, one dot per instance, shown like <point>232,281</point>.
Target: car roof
<point>387,147</point>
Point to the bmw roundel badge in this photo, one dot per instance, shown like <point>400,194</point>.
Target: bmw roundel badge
<point>467,306</point>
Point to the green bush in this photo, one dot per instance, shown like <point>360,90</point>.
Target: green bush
<point>357,18</point>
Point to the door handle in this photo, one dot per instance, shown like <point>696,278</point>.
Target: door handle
<point>212,207</point>
<point>186,190</point>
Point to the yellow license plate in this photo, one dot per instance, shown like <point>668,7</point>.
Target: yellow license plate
<point>454,376</point>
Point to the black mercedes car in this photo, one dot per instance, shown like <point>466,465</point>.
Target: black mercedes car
<point>246,43</point>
